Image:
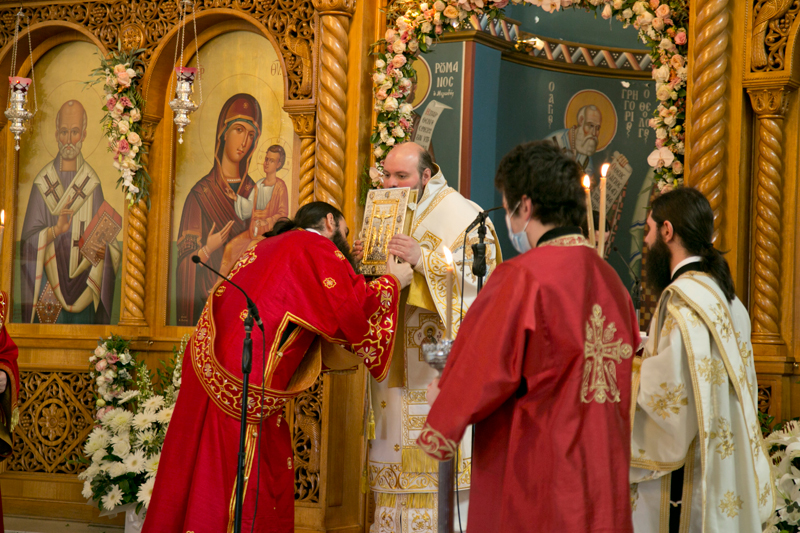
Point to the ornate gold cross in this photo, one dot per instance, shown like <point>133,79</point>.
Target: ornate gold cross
<point>602,351</point>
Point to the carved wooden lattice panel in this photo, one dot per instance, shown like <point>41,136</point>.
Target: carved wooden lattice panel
<point>307,442</point>
<point>764,398</point>
<point>55,418</point>
<point>772,23</point>
<point>143,24</point>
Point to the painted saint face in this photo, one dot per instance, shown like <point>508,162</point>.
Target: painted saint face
<point>272,163</point>
<point>70,133</point>
<point>238,141</point>
<point>588,132</point>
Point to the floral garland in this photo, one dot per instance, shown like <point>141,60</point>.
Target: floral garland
<point>413,27</point>
<point>122,121</point>
<point>124,448</point>
<point>784,447</point>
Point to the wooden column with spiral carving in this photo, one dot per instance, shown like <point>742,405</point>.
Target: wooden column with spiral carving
<point>332,97</point>
<point>305,128</point>
<point>709,85</point>
<point>133,293</point>
<point>770,107</point>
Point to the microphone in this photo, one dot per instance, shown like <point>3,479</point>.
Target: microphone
<point>481,218</point>
<point>251,306</point>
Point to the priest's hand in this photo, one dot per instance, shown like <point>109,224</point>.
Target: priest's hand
<point>215,240</point>
<point>358,250</point>
<point>63,223</point>
<point>402,271</point>
<point>3,381</point>
<point>433,391</point>
<point>406,248</point>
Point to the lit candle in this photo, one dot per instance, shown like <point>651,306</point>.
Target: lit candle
<point>587,184</point>
<point>601,248</point>
<point>449,295</point>
<point>2,228</point>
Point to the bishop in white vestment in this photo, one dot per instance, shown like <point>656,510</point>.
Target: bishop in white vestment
<point>404,478</point>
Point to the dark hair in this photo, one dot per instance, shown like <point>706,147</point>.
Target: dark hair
<point>549,177</point>
<point>278,149</point>
<point>693,221</point>
<point>310,216</point>
<point>425,162</point>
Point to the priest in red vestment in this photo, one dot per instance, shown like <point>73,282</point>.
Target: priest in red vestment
<point>302,281</point>
<point>9,388</point>
<point>542,367</point>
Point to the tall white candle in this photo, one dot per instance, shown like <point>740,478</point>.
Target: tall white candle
<point>601,248</point>
<point>587,186</point>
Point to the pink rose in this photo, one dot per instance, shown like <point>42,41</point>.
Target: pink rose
<point>112,358</point>
<point>501,4</point>
<point>101,365</point>
<point>111,102</point>
<point>653,4</point>
<point>659,143</point>
<point>399,60</point>
<point>123,147</point>
<point>124,79</point>
<point>381,94</point>
<point>391,35</point>
<point>126,101</point>
<point>102,412</point>
<point>662,11</point>
<point>658,24</point>
<point>439,29</point>
<point>680,38</point>
<point>677,61</point>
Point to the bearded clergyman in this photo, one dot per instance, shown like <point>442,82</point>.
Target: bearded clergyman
<point>64,199</point>
<point>698,460</point>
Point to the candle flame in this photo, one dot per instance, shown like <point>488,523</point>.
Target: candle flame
<point>587,182</point>
<point>604,169</point>
<point>3,217</point>
<point>448,256</point>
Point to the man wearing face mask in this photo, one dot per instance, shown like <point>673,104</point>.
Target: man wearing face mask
<point>403,478</point>
<point>549,387</point>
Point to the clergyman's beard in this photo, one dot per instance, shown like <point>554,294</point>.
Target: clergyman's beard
<point>657,266</point>
<point>341,244</point>
<point>69,151</point>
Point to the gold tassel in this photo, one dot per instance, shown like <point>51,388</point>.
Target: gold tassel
<point>371,424</point>
<point>364,481</point>
<point>384,499</point>
<point>426,500</point>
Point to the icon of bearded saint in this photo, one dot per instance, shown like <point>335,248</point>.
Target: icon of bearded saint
<point>581,140</point>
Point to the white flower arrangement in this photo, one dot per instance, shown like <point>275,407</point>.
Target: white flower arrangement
<point>122,121</point>
<point>124,448</point>
<point>414,25</point>
<point>784,448</point>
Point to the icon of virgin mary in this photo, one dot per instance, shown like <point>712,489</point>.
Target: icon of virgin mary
<point>213,215</point>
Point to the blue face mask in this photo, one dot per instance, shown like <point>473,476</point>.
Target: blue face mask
<point>519,240</point>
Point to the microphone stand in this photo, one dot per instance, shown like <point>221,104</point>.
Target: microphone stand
<point>247,366</point>
<point>479,251</point>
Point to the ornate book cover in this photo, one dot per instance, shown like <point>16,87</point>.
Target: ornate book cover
<point>103,229</point>
<point>384,216</point>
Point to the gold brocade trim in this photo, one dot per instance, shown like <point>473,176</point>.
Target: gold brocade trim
<point>656,466</point>
<point>436,272</point>
<point>663,515</point>
<point>567,240</point>
<point>423,500</point>
<point>436,201</point>
<point>688,486</point>
<point>711,325</point>
<point>413,459</point>
<point>251,438</point>
<point>635,383</point>
<point>14,420</point>
<point>600,349</point>
<point>389,477</point>
<point>378,347</point>
<point>3,308</point>
<point>436,445</point>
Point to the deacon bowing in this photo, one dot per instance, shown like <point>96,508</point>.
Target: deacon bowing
<point>304,286</point>
<point>699,463</point>
<point>542,367</point>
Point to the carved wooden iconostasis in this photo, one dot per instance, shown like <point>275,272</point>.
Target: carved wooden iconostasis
<point>287,63</point>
